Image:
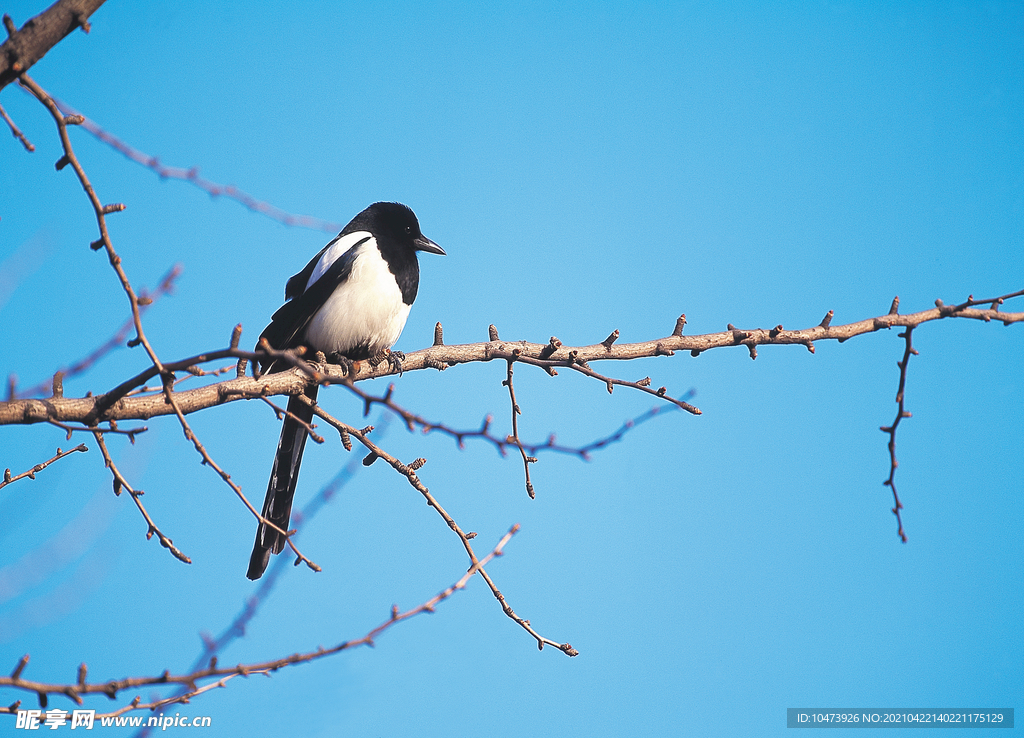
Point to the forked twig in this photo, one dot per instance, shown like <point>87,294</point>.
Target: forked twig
<point>516,412</point>
<point>409,472</point>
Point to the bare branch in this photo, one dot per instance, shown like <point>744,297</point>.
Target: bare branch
<point>15,131</point>
<point>282,413</point>
<point>136,303</point>
<point>516,412</point>
<point>236,629</point>
<point>409,472</point>
<point>40,34</point>
<point>101,210</point>
<point>23,412</point>
<point>584,451</point>
<point>111,427</point>
<point>190,435</point>
<point>643,385</point>
<point>146,299</point>
<point>901,413</point>
<point>191,175</point>
<point>501,443</point>
<point>76,690</point>
<point>121,483</point>
<point>31,473</point>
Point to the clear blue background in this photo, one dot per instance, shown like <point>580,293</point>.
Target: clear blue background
<point>588,167</point>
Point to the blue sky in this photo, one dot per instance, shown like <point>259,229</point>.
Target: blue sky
<point>587,167</point>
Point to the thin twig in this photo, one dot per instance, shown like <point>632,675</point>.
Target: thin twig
<point>111,427</point>
<point>191,175</point>
<point>158,368</point>
<point>995,302</point>
<point>236,629</point>
<point>584,451</point>
<point>146,299</point>
<point>100,210</point>
<point>901,413</point>
<point>75,691</point>
<point>16,131</point>
<point>31,473</point>
<point>527,460</point>
<point>282,413</point>
<point>409,472</point>
<point>170,396</point>
<point>121,483</point>
<point>500,443</point>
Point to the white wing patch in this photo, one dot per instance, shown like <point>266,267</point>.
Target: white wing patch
<point>365,310</point>
<point>336,249</point>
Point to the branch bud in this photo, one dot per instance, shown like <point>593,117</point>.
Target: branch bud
<point>553,345</point>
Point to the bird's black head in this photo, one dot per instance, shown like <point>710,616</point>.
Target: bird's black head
<point>394,222</point>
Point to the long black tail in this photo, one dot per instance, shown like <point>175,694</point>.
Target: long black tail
<point>277,507</point>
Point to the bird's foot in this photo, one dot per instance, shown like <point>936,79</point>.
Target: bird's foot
<point>393,358</point>
<point>346,363</point>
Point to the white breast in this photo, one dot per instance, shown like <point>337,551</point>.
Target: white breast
<point>364,311</point>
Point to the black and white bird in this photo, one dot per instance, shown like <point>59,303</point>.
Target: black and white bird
<point>350,301</point>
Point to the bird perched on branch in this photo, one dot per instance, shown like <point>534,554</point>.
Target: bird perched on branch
<point>351,302</point>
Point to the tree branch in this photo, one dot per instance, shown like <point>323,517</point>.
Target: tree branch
<point>15,131</point>
<point>409,472</point>
<point>120,482</point>
<point>516,412</point>
<point>28,411</point>
<point>483,433</point>
<point>901,413</point>
<point>31,473</point>
<point>100,209</point>
<point>191,175</point>
<point>40,34</point>
<point>146,299</point>
<point>75,691</point>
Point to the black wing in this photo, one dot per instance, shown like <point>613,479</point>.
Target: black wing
<point>287,327</point>
<point>297,283</point>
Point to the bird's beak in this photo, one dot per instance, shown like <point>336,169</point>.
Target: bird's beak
<point>425,244</point>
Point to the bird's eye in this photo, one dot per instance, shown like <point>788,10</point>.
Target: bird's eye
<point>408,229</point>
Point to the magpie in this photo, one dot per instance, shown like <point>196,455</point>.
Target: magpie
<point>351,302</point>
